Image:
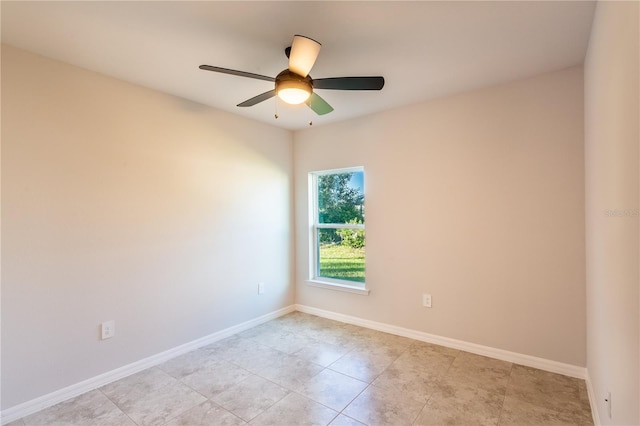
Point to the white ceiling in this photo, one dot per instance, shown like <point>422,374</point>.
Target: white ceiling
<point>424,50</point>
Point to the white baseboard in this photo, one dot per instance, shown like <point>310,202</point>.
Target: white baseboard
<point>26,408</point>
<point>592,400</point>
<point>501,354</point>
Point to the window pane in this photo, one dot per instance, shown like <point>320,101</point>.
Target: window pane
<point>341,254</point>
<point>341,198</point>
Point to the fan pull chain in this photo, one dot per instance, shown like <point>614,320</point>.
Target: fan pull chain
<point>276,109</point>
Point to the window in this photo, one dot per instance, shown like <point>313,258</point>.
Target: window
<point>337,229</point>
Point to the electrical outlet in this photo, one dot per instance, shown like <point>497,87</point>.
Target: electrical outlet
<point>260,288</point>
<point>108,329</point>
<point>426,300</point>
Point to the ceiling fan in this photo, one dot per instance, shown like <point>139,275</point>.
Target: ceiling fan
<point>294,85</point>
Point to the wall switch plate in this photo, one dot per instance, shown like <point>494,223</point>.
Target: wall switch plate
<point>260,288</point>
<point>108,329</point>
<point>426,300</point>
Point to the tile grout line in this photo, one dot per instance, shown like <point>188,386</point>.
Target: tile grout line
<point>505,396</point>
<point>117,406</point>
<point>437,380</point>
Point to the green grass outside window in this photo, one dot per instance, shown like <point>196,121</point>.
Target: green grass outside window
<point>341,262</point>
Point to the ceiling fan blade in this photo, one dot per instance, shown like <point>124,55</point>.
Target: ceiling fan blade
<point>319,105</point>
<point>235,72</point>
<point>349,83</point>
<point>257,99</point>
<point>303,54</point>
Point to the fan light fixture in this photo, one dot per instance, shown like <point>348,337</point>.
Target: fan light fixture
<point>293,92</point>
<point>293,88</point>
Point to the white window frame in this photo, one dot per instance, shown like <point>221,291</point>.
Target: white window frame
<point>314,248</point>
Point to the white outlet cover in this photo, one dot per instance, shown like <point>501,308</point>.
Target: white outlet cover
<point>426,300</point>
<point>108,329</point>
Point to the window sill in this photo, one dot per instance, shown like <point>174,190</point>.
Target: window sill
<point>339,287</point>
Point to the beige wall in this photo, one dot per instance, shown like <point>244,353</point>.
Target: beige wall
<point>477,199</point>
<point>123,203</point>
<point>612,183</point>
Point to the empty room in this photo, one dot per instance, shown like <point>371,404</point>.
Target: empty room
<point>320,213</point>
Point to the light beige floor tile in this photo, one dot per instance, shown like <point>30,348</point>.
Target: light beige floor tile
<point>232,346</point>
<point>250,397</point>
<point>352,330</point>
<point>18,422</point>
<point>461,405</point>
<point>337,336</point>
<point>152,396</point>
<point>478,363</point>
<point>295,409</point>
<point>584,397</point>
<point>283,341</point>
<point>582,389</point>
<point>376,406</point>
<point>301,323</point>
<point>387,349</point>
<point>363,338</point>
<point>245,353</point>
<point>290,371</point>
<point>333,389</point>
<point>215,378</point>
<point>161,405</point>
<point>321,353</point>
<point>91,408</point>
<point>229,347</point>
<point>258,360</point>
<point>294,320</point>
<point>343,420</point>
<point>414,382</point>
<point>545,389</point>
<point>146,381</point>
<point>377,340</point>
<point>418,348</point>
<point>560,395</point>
<point>223,343</point>
<point>315,324</point>
<point>259,330</point>
<point>489,374</point>
<point>207,414</point>
<point>429,362</point>
<point>516,412</point>
<point>188,363</point>
<point>363,364</point>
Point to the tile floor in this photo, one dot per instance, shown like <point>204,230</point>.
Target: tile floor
<point>301,369</point>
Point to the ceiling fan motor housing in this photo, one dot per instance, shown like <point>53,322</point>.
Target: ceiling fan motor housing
<point>290,80</point>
